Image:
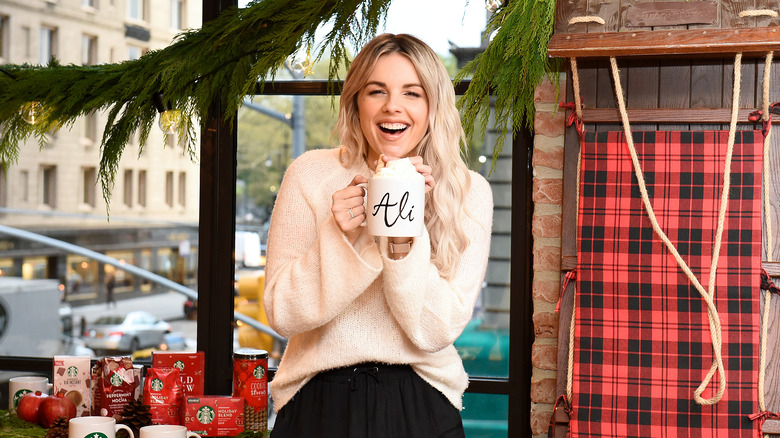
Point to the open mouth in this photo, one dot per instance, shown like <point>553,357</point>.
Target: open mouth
<point>393,128</point>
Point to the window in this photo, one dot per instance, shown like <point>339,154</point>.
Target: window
<point>169,189</point>
<point>90,130</point>
<point>128,186</point>
<point>49,186</point>
<point>3,188</point>
<point>4,37</point>
<point>183,189</point>
<point>26,44</point>
<point>48,44</point>
<point>88,50</point>
<point>142,188</point>
<point>177,14</point>
<point>137,10</point>
<point>24,190</point>
<point>134,52</point>
<point>89,182</point>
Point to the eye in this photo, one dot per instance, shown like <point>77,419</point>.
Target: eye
<point>375,92</point>
<point>413,94</point>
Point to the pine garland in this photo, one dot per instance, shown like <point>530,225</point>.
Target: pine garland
<point>223,60</point>
<point>506,74</point>
<point>226,58</point>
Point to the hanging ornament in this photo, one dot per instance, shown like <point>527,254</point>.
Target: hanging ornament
<point>169,121</point>
<point>300,69</point>
<point>32,112</point>
<point>493,5</point>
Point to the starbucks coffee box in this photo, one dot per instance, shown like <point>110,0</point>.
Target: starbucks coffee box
<point>72,378</point>
<point>214,415</point>
<point>190,365</point>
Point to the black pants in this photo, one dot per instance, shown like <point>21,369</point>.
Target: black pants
<point>368,401</point>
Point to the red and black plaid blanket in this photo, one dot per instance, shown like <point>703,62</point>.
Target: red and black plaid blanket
<point>642,341</point>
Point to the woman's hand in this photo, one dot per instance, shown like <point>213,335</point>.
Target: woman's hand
<point>348,209</point>
<point>421,167</point>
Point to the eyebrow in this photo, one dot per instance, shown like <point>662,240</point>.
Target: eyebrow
<point>382,84</point>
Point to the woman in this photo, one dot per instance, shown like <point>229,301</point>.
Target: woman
<point>371,326</point>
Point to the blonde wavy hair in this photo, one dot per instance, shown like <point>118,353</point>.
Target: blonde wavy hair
<point>440,147</point>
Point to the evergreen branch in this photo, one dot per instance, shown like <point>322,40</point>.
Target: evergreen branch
<point>508,71</point>
<point>224,59</point>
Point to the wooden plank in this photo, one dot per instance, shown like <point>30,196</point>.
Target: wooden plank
<point>665,43</point>
<point>670,13</point>
<point>675,89</point>
<point>670,115</point>
<point>772,375</point>
<point>772,5</point>
<point>771,268</point>
<point>730,13</point>
<point>564,323</point>
<point>642,89</point>
<point>565,10</point>
<point>609,11</point>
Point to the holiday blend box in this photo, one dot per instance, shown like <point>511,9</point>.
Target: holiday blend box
<point>190,366</point>
<point>214,415</point>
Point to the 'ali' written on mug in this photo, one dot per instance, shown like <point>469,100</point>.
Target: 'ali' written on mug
<point>389,209</point>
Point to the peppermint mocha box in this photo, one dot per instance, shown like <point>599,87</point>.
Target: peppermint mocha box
<point>190,366</point>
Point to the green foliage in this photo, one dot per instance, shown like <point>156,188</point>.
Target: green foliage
<point>221,62</point>
<point>228,57</point>
<point>12,426</point>
<point>505,75</point>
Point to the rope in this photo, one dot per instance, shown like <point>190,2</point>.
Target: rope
<point>767,118</point>
<point>758,13</point>
<point>575,80</point>
<point>707,295</point>
<point>587,19</point>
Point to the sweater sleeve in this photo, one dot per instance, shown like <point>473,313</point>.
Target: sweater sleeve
<point>431,310</point>
<point>313,273</point>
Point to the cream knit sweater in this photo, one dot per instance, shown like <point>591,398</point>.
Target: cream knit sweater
<point>340,304</point>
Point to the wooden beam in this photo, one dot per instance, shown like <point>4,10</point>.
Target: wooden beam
<point>668,115</point>
<point>666,42</point>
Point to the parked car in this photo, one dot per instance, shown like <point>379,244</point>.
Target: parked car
<point>126,333</point>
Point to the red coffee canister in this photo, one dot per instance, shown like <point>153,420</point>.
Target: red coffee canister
<point>250,381</point>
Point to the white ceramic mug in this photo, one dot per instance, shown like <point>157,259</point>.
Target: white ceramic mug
<point>167,431</point>
<point>395,207</point>
<point>95,427</point>
<point>19,386</point>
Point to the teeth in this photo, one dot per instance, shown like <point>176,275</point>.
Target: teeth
<point>393,126</point>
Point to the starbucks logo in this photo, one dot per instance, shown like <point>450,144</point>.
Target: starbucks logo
<point>259,372</point>
<point>96,435</point>
<point>72,371</point>
<point>179,364</point>
<point>157,385</point>
<point>205,415</point>
<point>115,380</point>
<point>18,396</point>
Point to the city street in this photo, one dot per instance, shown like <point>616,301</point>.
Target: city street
<point>166,306</point>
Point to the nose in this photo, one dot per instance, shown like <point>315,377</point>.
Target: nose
<point>391,104</point>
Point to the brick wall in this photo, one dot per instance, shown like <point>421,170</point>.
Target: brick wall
<point>549,127</point>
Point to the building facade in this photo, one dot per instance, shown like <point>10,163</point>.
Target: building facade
<point>151,217</point>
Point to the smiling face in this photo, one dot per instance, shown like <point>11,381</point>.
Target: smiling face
<point>393,108</point>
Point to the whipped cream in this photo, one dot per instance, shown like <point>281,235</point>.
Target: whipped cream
<point>399,169</point>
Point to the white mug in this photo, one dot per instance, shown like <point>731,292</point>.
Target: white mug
<point>19,386</point>
<point>95,427</point>
<point>167,431</point>
<point>395,207</point>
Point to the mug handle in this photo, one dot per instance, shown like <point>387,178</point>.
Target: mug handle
<point>192,435</point>
<point>122,426</point>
